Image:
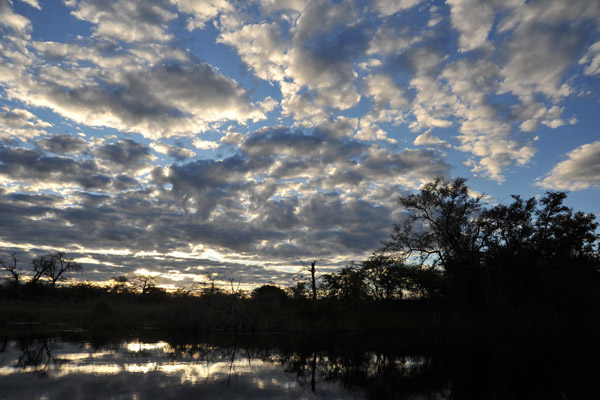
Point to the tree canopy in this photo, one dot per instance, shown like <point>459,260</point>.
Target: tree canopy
<point>536,247</point>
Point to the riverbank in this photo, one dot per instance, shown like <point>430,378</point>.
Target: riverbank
<point>99,310</point>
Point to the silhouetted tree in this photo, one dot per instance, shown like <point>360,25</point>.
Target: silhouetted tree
<point>313,278</point>
<point>120,284</point>
<point>144,283</point>
<point>15,274</point>
<point>440,227</point>
<point>54,267</point>
<point>386,278</point>
<point>269,293</point>
<point>527,249</point>
<point>348,284</point>
<point>389,278</point>
<point>299,290</point>
<point>382,278</point>
<point>541,251</point>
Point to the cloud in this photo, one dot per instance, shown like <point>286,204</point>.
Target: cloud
<point>73,164</point>
<point>260,47</point>
<point>474,20</point>
<point>326,65</point>
<point>385,92</point>
<point>592,59</point>
<point>202,12</point>
<point>32,3</point>
<point>24,165</point>
<point>339,128</point>
<point>427,139</point>
<point>20,124</point>
<point>177,152</point>
<point>159,101</point>
<point>11,20</point>
<point>542,47</point>
<point>394,35</point>
<point>208,144</point>
<point>138,21</point>
<point>126,153</point>
<point>231,137</point>
<point>313,63</point>
<point>537,60</point>
<point>389,7</point>
<point>63,144</point>
<point>271,202</point>
<point>581,170</point>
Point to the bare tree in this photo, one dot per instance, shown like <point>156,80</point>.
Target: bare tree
<point>54,267</point>
<point>144,283</point>
<point>12,269</point>
<point>60,266</point>
<point>40,265</point>
<point>313,277</point>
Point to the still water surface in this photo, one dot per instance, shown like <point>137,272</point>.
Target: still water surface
<point>51,368</point>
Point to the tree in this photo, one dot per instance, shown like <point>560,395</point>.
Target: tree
<point>298,291</point>
<point>120,284</point>
<point>562,234</point>
<point>313,277</point>
<point>348,284</point>
<point>441,227</point>
<point>144,283</point>
<point>389,278</point>
<point>54,267</point>
<point>385,277</point>
<point>542,250</point>
<point>529,249</point>
<point>269,293</point>
<point>15,274</point>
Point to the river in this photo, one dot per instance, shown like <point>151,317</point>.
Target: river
<point>83,365</point>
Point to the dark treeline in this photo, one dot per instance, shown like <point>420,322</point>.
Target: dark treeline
<point>452,263</point>
<point>531,261</point>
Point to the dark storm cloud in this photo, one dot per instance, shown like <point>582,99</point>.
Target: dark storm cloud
<point>63,144</point>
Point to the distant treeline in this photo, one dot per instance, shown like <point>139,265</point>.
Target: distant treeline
<point>452,262</point>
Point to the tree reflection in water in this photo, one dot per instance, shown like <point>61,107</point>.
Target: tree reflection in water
<point>377,375</point>
<point>245,367</point>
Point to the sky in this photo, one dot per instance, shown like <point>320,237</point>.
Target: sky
<point>237,140</point>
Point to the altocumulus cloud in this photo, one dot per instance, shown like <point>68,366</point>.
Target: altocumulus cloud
<point>284,195</point>
<point>231,138</point>
<point>579,171</point>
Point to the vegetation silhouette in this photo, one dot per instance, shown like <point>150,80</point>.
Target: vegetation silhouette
<point>453,262</point>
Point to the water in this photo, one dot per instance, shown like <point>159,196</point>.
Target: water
<point>137,368</point>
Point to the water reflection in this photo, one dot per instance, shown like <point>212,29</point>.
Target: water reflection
<point>55,369</point>
<point>81,368</point>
